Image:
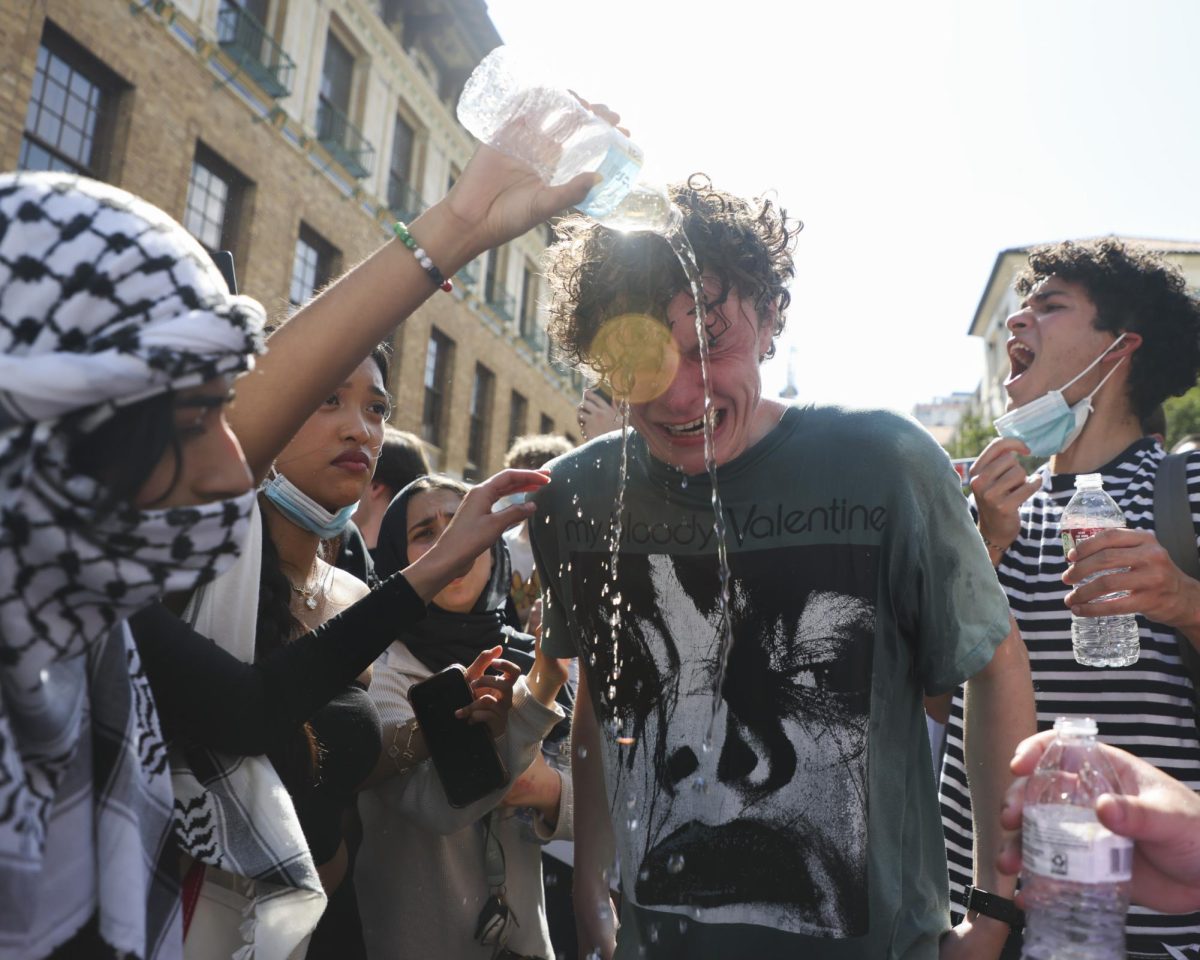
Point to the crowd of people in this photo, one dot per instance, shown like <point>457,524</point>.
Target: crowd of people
<point>222,573</point>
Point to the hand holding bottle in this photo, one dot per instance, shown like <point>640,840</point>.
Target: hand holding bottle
<point>1154,586</point>
<point>1163,820</point>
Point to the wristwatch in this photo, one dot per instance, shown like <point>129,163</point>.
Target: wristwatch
<point>995,906</point>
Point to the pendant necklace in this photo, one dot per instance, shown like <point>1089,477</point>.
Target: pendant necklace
<point>310,596</point>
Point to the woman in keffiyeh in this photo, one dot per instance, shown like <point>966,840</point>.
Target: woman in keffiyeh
<point>120,481</point>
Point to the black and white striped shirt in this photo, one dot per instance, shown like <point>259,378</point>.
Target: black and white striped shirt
<point>1146,708</point>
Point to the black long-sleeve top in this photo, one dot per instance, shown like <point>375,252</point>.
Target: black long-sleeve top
<point>205,694</point>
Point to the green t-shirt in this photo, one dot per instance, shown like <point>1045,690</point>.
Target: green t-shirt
<point>808,825</point>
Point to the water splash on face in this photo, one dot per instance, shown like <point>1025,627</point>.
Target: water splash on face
<point>687,259</point>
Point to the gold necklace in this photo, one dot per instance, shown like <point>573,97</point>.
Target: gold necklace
<point>310,596</point>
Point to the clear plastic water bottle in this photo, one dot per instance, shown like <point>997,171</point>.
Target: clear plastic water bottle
<point>1075,872</point>
<point>1098,641</point>
<point>507,106</point>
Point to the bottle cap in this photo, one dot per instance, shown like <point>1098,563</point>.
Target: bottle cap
<point>1089,481</point>
<point>1075,726</point>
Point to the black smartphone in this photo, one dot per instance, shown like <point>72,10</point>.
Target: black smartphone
<point>224,261</point>
<point>463,753</point>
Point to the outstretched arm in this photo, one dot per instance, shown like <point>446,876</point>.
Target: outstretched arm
<point>496,199</point>
<point>999,714</point>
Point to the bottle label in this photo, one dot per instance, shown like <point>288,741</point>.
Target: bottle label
<point>1077,535</point>
<point>1067,842</point>
<point>620,168</point>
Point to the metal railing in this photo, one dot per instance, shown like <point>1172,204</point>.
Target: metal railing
<point>469,274</point>
<point>403,200</point>
<point>344,140</point>
<point>502,304</point>
<point>535,336</point>
<point>254,50</point>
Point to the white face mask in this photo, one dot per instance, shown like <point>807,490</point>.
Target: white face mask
<point>1048,425</point>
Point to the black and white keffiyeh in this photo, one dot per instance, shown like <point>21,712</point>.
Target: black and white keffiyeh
<point>104,301</point>
<point>233,813</point>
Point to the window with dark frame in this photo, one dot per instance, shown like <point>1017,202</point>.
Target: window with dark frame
<point>337,75</point>
<point>402,198</point>
<point>491,276</point>
<point>214,200</point>
<point>437,366</point>
<point>68,123</point>
<point>546,424</point>
<point>480,414</point>
<point>518,414</point>
<point>528,301</point>
<point>313,265</point>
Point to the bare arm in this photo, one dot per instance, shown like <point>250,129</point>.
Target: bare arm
<point>495,200</point>
<point>594,844</point>
<point>998,714</point>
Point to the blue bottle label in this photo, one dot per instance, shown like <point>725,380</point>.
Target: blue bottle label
<point>619,168</point>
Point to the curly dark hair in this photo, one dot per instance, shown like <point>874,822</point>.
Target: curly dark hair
<point>1135,290</point>
<point>596,273</point>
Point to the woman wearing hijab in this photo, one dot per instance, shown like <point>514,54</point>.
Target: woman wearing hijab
<point>475,890</point>
<point>121,479</point>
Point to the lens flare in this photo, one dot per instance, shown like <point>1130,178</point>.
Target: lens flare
<point>635,356</point>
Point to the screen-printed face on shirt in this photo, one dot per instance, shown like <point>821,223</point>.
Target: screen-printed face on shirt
<point>767,823</point>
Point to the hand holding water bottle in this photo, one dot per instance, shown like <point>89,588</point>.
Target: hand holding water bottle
<point>557,137</point>
<point>1163,820</point>
<point>1133,562</point>
<point>1109,637</point>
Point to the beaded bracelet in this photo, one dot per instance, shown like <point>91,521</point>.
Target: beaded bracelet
<point>423,259</point>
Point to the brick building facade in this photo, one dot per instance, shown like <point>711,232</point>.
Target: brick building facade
<point>293,133</point>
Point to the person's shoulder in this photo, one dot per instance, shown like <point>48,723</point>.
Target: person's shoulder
<point>398,658</point>
<point>869,430</point>
<point>585,460</point>
<point>345,588</point>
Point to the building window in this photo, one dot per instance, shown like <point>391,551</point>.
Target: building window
<point>402,198</point>
<point>337,75</point>
<point>313,266</point>
<point>491,276</point>
<point>437,367</point>
<point>481,414</point>
<point>528,302</point>
<point>71,107</point>
<point>214,199</point>
<point>334,130</point>
<point>258,9</point>
<point>518,414</point>
<point>546,424</point>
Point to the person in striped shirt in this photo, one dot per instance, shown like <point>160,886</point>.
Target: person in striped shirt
<point>1115,329</point>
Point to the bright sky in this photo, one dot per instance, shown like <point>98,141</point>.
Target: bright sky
<point>915,140</point>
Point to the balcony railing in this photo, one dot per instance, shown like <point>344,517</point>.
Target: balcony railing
<point>344,140</point>
<point>403,200</point>
<point>502,304</point>
<point>469,275</point>
<point>254,50</point>
<point>535,336</point>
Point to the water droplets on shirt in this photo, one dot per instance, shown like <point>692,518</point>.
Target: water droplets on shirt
<point>675,863</point>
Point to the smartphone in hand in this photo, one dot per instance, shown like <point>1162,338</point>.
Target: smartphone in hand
<point>463,753</point>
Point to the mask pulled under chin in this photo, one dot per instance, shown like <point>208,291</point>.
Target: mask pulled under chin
<point>1048,425</point>
<point>304,511</point>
